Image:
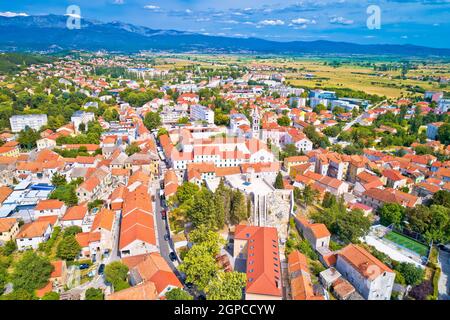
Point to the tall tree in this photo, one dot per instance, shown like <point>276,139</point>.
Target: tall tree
<point>199,266</point>
<point>279,181</point>
<point>68,248</point>
<point>28,138</point>
<point>202,210</point>
<point>31,272</point>
<point>116,273</point>
<point>392,213</point>
<point>238,211</point>
<point>210,239</point>
<point>226,286</point>
<point>152,120</point>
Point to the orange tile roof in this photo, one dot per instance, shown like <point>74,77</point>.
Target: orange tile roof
<point>6,224</point>
<point>363,262</point>
<point>84,238</point>
<point>33,229</point>
<point>104,219</point>
<point>50,204</point>
<point>57,269</point>
<point>300,279</point>
<point>137,225</point>
<point>46,289</point>
<point>75,213</point>
<point>152,267</point>
<point>145,291</point>
<point>52,219</point>
<point>4,193</point>
<point>297,159</point>
<point>263,261</point>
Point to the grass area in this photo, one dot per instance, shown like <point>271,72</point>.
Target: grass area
<point>408,243</point>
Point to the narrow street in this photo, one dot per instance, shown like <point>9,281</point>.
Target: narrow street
<point>165,247</point>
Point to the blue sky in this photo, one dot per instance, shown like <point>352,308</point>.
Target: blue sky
<point>421,22</point>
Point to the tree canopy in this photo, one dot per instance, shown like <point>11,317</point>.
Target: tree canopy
<point>116,273</point>
<point>31,272</point>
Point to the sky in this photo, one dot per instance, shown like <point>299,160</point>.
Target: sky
<point>419,22</point>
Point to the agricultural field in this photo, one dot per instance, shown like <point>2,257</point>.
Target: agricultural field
<point>359,75</point>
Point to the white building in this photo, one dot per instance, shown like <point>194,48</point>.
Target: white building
<point>202,113</point>
<point>80,117</point>
<point>444,105</point>
<point>346,105</point>
<point>433,129</point>
<point>32,234</point>
<point>370,277</point>
<point>33,121</point>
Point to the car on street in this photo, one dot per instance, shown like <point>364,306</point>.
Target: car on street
<point>166,237</point>
<point>164,214</point>
<point>101,269</point>
<point>189,285</point>
<point>443,247</point>
<point>173,256</point>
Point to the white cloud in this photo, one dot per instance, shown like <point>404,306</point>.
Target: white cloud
<point>119,1</point>
<point>276,22</point>
<point>202,19</point>
<point>230,21</point>
<point>152,7</point>
<point>341,20</point>
<point>10,14</point>
<point>301,23</point>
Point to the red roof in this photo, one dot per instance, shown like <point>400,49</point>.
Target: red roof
<point>263,261</point>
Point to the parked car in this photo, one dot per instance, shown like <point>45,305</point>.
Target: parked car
<point>189,285</point>
<point>444,248</point>
<point>101,269</point>
<point>173,256</point>
<point>164,214</point>
<point>166,237</point>
<point>83,266</point>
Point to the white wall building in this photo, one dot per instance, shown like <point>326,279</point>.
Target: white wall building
<point>80,117</point>
<point>33,121</point>
<point>202,113</point>
<point>370,277</point>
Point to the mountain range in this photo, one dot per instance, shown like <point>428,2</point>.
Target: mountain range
<point>50,33</point>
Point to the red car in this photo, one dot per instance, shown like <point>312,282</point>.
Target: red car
<point>163,214</point>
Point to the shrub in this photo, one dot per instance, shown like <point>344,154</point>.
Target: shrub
<point>413,275</point>
<point>422,291</point>
<point>436,276</point>
<point>94,294</point>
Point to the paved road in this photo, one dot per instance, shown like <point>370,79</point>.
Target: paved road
<point>165,247</point>
<point>444,280</point>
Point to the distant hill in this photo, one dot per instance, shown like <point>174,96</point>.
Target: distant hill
<point>13,62</point>
<point>43,33</point>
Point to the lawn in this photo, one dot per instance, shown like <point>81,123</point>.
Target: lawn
<point>407,243</point>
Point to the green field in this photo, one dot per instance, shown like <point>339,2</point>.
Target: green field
<point>407,243</point>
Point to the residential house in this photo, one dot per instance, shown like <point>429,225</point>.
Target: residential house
<point>9,228</point>
<point>371,278</point>
<point>32,234</point>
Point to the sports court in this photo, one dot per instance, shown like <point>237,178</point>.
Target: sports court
<point>407,243</point>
